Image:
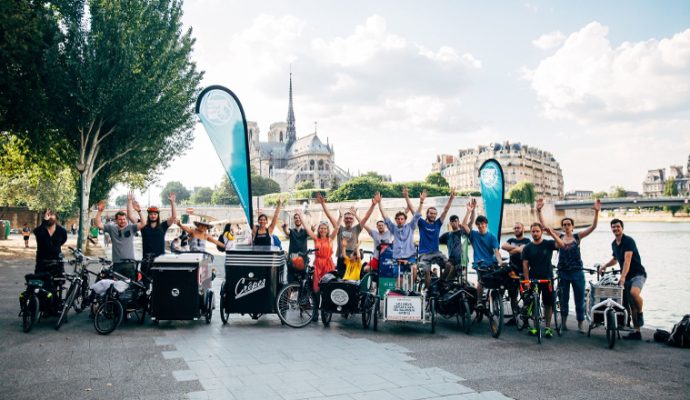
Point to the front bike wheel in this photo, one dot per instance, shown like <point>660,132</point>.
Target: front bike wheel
<point>295,305</point>
<point>557,317</point>
<point>611,327</point>
<point>495,313</point>
<point>80,302</point>
<point>30,312</point>
<point>367,310</point>
<point>74,289</point>
<point>108,316</point>
<point>538,317</point>
<point>224,311</point>
<point>432,310</point>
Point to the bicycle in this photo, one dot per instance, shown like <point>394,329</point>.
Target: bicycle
<point>606,304</point>
<point>493,279</point>
<point>532,309</point>
<point>557,316</point>
<point>296,302</point>
<point>43,294</point>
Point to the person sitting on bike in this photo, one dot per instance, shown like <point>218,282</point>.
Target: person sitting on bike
<point>536,264</point>
<point>453,241</point>
<point>349,230</point>
<point>633,274</point>
<point>323,256</point>
<point>380,235</point>
<point>429,233</point>
<point>514,247</point>
<point>122,237</point>
<point>152,229</point>
<point>50,236</point>
<point>570,265</point>
<point>484,245</point>
<point>262,233</point>
<point>353,263</point>
<point>403,234</point>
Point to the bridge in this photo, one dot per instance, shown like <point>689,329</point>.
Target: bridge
<point>624,202</point>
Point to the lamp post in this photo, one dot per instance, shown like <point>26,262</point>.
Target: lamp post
<point>81,168</point>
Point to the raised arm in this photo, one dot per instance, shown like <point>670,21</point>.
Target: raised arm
<point>447,208</point>
<point>539,206</point>
<point>215,241</point>
<point>556,237</point>
<point>173,210</point>
<point>97,219</point>
<point>591,228</point>
<point>336,228</point>
<point>470,211</point>
<point>134,218</point>
<point>422,197</point>
<point>322,201</point>
<point>184,227</point>
<point>406,196</point>
<point>274,221</point>
<point>374,201</point>
<point>140,222</point>
<point>383,213</point>
<point>309,231</point>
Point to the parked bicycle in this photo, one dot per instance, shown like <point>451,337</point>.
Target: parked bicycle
<point>606,305</point>
<point>43,294</point>
<point>494,280</point>
<point>296,302</point>
<point>532,308</point>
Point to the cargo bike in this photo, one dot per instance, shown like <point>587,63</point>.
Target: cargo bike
<point>606,305</point>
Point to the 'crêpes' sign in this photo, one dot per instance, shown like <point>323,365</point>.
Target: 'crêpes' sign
<point>404,308</point>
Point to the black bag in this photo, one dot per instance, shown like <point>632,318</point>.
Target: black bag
<point>680,335</point>
<point>661,336</point>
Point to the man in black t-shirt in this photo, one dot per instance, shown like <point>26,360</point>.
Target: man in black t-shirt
<point>298,244</point>
<point>514,246</point>
<point>49,240</point>
<point>633,274</point>
<point>152,229</point>
<point>453,240</point>
<point>536,264</point>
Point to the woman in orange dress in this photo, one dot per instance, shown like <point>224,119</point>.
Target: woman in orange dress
<point>323,256</point>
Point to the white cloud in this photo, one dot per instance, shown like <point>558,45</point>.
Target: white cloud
<point>549,40</point>
<point>588,79</point>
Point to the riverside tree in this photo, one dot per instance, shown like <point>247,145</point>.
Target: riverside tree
<point>522,193</point>
<point>118,87</point>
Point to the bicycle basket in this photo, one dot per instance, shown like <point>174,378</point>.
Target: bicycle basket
<point>494,278</point>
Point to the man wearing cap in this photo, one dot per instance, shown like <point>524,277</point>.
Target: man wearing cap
<point>122,237</point>
<point>152,230</point>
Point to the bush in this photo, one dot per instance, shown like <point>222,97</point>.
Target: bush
<point>271,199</point>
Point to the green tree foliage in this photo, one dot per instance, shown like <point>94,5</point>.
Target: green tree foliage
<point>271,199</point>
<point>117,89</point>
<point>360,188</point>
<point>224,194</point>
<point>262,186</point>
<point>670,189</point>
<point>600,195</point>
<point>522,193</point>
<point>617,192</point>
<point>376,176</point>
<point>182,194</point>
<point>417,187</point>
<point>305,185</point>
<point>121,200</point>
<point>202,195</point>
<point>437,179</point>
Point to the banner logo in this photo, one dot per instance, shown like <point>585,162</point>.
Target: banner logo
<point>218,108</point>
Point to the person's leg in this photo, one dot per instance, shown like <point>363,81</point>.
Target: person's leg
<point>636,307</point>
<point>564,283</point>
<point>578,284</point>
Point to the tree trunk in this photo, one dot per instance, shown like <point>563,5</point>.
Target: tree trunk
<point>85,207</point>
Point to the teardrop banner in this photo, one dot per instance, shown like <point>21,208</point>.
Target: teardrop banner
<point>222,115</point>
<point>491,183</point>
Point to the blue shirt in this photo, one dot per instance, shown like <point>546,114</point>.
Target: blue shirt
<point>403,245</point>
<point>428,235</point>
<point>483,247</point>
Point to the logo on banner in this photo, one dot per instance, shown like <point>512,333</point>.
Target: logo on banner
<point>218,107</point>
<point>244,288</point>
<point>489,176</point>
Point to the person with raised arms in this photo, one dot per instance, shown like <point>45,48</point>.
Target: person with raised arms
<point>429,233</point>
<point>514,247</point>
<point>262,233</point>
<point>152,229</point>
<point>122,238</point>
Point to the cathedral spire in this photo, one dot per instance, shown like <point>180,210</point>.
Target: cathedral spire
<point>291,132</point>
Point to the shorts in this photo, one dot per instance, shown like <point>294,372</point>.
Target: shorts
<point>407,267</point>
<point>546,294</point>
<point>637,281</point>
<point>427,260</point>
<point>26,238</point>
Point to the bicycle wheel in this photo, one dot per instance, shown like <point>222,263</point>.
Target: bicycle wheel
<point>538,316</point>
<point>367,310</point>
<point>295,306</point>
<point>377,310</point>
<point>30,312</point>
<point>224,311</point>
<point>495,313</point>
<point>557,317</point>
<point>520,314</point>
<point>74,289</point>
<point>466,315</point>
<point>432,310</point>
<point>108,316</point>
<point>611,328</point>
<point>80,302</point>
<point>209,307</point>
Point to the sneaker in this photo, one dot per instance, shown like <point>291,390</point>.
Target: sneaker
<point>532,332</point>
<point>511,322</point>
<point>548,333</point>
<point>633,336</point>
<point>640,320</point>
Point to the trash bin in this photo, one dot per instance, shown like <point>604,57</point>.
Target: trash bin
<point>4,229</point>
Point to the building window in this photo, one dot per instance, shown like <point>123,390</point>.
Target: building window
<point>320,165</point>
<point>311,165</point>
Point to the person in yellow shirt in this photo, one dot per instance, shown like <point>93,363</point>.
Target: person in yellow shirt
<point>353,262</point>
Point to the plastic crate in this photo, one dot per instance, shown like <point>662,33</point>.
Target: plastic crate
<point>602,293</point>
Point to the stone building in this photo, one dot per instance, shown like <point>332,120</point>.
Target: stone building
<point>655,181</point>
<point>290,160</point>
<point>519,162</point>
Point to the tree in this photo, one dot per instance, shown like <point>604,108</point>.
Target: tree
<point>670,189</point>
<point>202,195</point>
<point>600,195</point>
<point>305,185</point>
<point>119,90</point>
<point>121,200</point>
<point>224,194</point>
<point>181,192</point>
<point>437,179</point>
<point>617,192</point>
<point>262,186</point>
<point>376,176</point>
<point>360,188</point>
<point>522,193</point>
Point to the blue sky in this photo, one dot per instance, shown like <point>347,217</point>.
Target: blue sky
<point>604,86</point>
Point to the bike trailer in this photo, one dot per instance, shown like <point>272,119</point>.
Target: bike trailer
<point>252,278</point>
<point>181,284</point>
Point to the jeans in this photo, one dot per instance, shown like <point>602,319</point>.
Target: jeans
<point>576,278</point>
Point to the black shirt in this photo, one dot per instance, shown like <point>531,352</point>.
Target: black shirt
<point>516,259</point>
<point>539,258</point>
<point>452,239</point>
<point>628,244</point>
<point>47,246</point>
<point>153,239</point>
<point>298,241</point>
<point>262,239</point>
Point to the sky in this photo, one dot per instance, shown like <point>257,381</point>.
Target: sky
<point>604,86</point>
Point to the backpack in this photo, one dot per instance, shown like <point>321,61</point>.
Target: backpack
<point>680,335</point>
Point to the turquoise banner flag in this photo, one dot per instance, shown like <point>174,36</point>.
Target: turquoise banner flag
<point>221,113</point>
<point>491,183</point>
